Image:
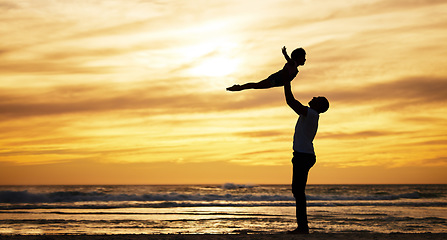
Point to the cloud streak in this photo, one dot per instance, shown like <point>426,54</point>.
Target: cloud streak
<point>119,82</point>
<point>404,93</point>
<point>408,91</point>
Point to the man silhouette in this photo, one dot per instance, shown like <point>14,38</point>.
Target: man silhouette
<point>303,150</point>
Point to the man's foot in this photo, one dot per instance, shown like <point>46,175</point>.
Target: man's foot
<point>235,88</point>
<point>299,231</point>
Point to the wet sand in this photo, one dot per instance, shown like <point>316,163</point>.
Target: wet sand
<point>313,236</point>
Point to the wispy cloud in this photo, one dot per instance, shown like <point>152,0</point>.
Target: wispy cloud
<point>143,82</point>
<point>403,92</point>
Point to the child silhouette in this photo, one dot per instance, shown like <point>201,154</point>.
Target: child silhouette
<point>286,74</point>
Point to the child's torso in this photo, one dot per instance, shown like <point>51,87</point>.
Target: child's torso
<point>290,70</point>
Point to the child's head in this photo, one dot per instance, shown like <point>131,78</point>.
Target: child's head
<point>319,104</point>
<point>299,56</point>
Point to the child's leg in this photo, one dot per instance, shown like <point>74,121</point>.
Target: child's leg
<point>259,85</point>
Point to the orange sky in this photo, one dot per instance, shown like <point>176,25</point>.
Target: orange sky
<point>133,92</point>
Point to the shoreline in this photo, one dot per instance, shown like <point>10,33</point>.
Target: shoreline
<point>312,236</point>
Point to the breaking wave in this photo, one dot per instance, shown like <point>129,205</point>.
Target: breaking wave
<point>95,199</point>
<point>236,186</point>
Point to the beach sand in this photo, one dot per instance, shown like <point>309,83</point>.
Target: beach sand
<point>314,236</point>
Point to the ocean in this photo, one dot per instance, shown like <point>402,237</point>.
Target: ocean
<point>221,209</point>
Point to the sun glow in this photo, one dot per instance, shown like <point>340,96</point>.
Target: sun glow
<point>211,58</point>
<point>215,67</point>
<point>136,93</point>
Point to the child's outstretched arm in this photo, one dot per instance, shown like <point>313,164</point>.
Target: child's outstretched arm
<point>286,56</point>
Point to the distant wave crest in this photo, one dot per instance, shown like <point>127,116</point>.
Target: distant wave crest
<point>236,186</point>
<point>193,199</point>
<point>77,196</point>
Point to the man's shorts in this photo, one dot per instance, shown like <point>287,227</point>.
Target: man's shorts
<point>302,162</point>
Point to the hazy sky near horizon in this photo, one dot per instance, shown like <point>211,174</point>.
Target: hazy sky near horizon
<point>133,92</point>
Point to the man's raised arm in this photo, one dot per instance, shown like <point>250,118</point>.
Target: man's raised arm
<point>292,102</point>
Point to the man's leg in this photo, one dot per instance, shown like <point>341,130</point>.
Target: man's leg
<point>300,198</point>
<point>301,165</point>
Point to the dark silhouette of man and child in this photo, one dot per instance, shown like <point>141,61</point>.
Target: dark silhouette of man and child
<point>305,130</point>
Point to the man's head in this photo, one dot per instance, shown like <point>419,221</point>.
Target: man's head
<point>319,104</point>
<point>299,56</point>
